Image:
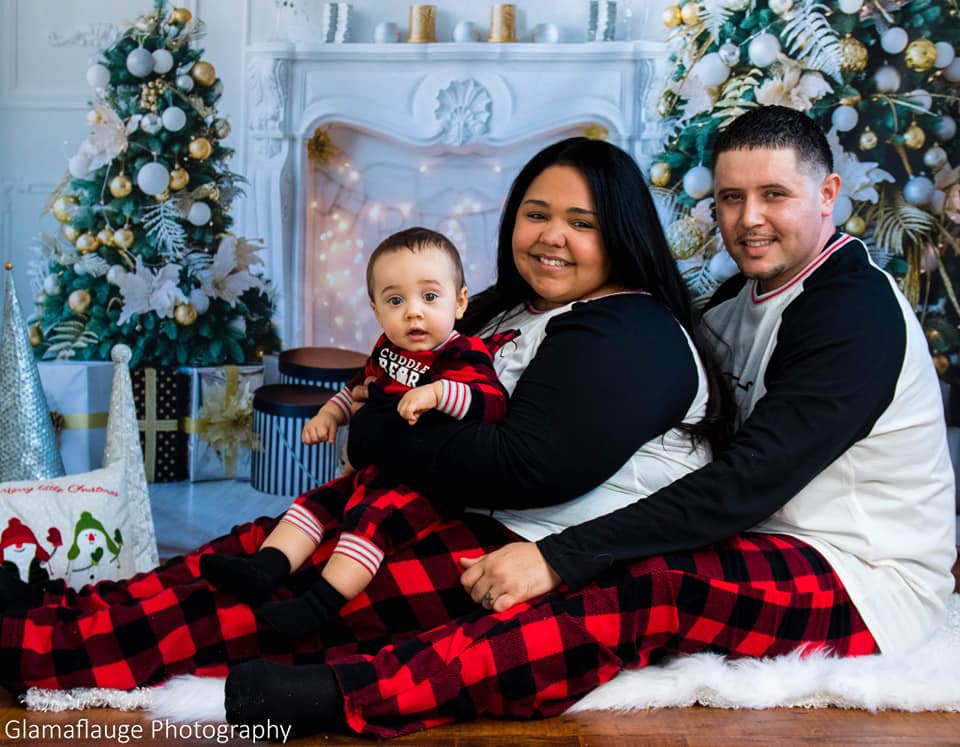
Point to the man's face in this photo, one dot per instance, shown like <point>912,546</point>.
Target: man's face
<point>774,215</point>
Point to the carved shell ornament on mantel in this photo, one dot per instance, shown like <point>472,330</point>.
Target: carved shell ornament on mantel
<point>464,111</point>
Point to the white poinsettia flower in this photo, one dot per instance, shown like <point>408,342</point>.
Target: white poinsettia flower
<point>702,213</point>
<point>246,253</point>
<point>697,98</point>
<point>792,87</point>
<point>144,290</point>
<point>200,300</point>
<point>224,278</point>
<point>857,178</point>
<point>108,138</point>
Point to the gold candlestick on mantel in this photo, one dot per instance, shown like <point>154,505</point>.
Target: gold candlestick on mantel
<point>503,23</point>
<point>423,24</point>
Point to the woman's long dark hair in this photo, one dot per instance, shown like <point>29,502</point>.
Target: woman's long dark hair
<point>638,251</point>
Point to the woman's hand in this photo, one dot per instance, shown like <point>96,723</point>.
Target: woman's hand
<point>360,394</point>
<point>513,574</point>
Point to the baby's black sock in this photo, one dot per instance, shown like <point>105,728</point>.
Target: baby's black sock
<point>305,614</point>
<point>250,579</point>
<point>305,697</point>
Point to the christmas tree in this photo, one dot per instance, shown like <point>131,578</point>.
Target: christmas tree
<point>880,76</point>
<point>144,255</point>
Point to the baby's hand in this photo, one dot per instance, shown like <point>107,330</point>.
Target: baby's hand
<point>321,427</point>
<point>418,401</point>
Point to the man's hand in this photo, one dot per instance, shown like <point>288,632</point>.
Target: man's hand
<point>419,400</point>
<point>321,427</point>
<point>508,576</point>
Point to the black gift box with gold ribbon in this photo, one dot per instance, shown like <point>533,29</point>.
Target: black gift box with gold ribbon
<point>161,396</point>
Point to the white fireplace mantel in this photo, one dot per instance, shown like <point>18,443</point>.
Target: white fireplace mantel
<point>474,97</point>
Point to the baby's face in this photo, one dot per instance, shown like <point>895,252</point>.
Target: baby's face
<point>415,297</point>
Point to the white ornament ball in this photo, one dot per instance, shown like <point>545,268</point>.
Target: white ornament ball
<point>921,98</point>
<point>698,182</point>
<point>711,70</point>
<point>729,54</point>
<point>98,76</point>
<point>887,79</point>
<point>894,40</point>
<point>140,62</point>
<point>945,54</point>
<point>174,118</point>
<point>918,190</point>
<point>199,214</point>
<point>78,166</point>
<point>162,61</point>
<point>185,83</point>
<point>842,209</point>
<point>151,123</point>
<point>763,50</point>
<point>937,200</point>
<point>850,6</point>
<point>952,71</point>
<point>721,266</point>
<point>200,301</point>
<point>780,6</point>
<point>51,285</point>
<point>945,128</point>
<point>845,118</point>
<point>935,158</point>
<point>153,178</point>
<point>115,274</point>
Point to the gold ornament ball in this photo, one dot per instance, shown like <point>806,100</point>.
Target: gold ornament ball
<point>185,314</point>
<point>933,335</point>
<point>105,236</point>
<point>868,139</point>
<point>914,137</point>
<point>87,243</point>
<point>180,16</point>
<point>179,178</point>
<point>203,73</point>
<point>853,55</point>
<point>79,301</point>
<point>941,363</point>
<point>855,225</point>
<point>200,148</point>
<point>221,128</point>
<point>672,16</point>
<point>123,237</point>
<point>920,55</point>
<point>120,186</point>
<point>63,207</point>
<point>690,13</point>
<point>660,174</point>
<point>35,334</point>
<point>70,233</point>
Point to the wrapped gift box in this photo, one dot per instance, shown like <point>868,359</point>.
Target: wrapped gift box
<point>327,368</point>
<point>160,396</point>
<point>79,395</point>
<point>219,421</point>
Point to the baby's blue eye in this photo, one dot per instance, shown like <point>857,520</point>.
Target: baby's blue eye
<point>430,297</point>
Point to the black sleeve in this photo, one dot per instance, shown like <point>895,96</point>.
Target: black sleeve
<point>832,374</point>
<point>609,375</point>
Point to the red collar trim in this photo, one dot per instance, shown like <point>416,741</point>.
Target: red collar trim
<point>819,260</point>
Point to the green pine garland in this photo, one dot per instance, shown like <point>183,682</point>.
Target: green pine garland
<point>80,308</point>
<point>905,131</point>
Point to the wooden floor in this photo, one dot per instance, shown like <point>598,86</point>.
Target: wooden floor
<point>673,727</point>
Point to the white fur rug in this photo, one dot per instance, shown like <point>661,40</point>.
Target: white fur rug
<point>927,679</point>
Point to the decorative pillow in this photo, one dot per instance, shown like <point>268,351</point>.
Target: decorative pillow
<point>80,528</point>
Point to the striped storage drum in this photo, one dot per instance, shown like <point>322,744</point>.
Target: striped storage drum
<point>327,368</point>
<point>285,465</point>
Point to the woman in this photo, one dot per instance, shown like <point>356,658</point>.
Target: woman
<point>610,400</point>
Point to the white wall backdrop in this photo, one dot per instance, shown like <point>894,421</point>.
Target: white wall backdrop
<point>47,45</point>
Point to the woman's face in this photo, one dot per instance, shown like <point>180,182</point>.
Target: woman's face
<point>557,246</point>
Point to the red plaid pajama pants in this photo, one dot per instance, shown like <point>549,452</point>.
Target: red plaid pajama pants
<point>414,651</point>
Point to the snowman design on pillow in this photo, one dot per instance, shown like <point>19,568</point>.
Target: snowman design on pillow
<point>20,550</point>
<point>88,555</point>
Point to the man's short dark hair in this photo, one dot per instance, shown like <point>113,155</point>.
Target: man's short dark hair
<point>778,127</point>
<point>414,239</point>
